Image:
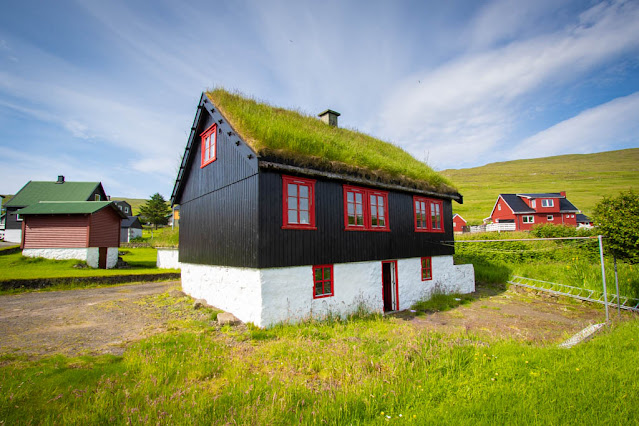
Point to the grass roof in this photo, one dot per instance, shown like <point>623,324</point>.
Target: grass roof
<point>295,138</point>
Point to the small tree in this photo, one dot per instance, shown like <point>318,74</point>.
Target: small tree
<point>616,219</point>
<point>156,210</point>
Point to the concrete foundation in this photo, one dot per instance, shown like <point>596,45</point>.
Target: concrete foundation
<point>273,295</point>
<point>90,255</point>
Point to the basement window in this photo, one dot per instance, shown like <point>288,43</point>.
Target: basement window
<point>365,209</point>
<point>209,145</point>
<point>428,214</point>
<point>528,219</point>
<point>550,217</point>
<point>298,207</point>
<point>427,269</point>
<point>322,281</point>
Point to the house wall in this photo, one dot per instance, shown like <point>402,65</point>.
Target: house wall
<point>273,295</point>
<point>55,231</point>
<point>104,228</point>
<point>88,254</point>
<point>13,235</point>
<point>458,224</point>
<point>505,212</point>
<point>218,205</point>
<point>542,218</point>
<point>10,220</point>
<point>330,243</point>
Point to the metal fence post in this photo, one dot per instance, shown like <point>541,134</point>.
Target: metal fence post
<point>614,259</point>
<point>603,276</point>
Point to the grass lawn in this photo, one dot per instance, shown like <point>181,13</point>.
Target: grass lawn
<point>366,370</point>
<point>15,266</point>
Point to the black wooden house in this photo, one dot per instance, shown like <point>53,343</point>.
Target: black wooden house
<point>262,211</point>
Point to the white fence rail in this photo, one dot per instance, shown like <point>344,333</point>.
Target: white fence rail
<point>492,227</point>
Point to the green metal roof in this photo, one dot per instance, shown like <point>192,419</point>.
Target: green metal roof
<point>35,191</point>
<point>68,207</point>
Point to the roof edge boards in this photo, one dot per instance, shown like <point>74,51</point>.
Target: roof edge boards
<point>352,179</point>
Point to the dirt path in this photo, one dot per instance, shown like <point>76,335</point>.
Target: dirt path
<point>90,321</point>
<point>105,320</point>
<point>514,313</point>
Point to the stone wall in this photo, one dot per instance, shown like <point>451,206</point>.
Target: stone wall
<point>168,258</point>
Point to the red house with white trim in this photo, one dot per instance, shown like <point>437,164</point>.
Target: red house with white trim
<point>459,223</point>
<point>528,210</point>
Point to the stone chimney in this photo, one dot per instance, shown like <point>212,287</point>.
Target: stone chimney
<point>329,117</point>
<point>60,179</point>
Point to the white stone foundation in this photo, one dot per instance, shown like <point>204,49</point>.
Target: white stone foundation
<point>168,258</point>
<point>13,235</point>
<point>269,296</point>
<point>91,255</point>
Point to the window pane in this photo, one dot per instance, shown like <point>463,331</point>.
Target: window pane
<point>318,288</point>
<point>351,219</point>
<point>373,200</point>
<point>327,273</point>
<point>359,209</point>
<point>303,203</point>
<point>292,203</point>
<point>318,274</point>
<point>304,217</point>
<point>358,198</point>
<point>380,201</point>
<point>349,197</point>
<point>292,190</point>
<point>360,220</point>
<point>351,209</point>
<point>303,191</point>
<point>373,221</point>
<point>292,216</point>
<point>381,221</point>
<point>374,211</point>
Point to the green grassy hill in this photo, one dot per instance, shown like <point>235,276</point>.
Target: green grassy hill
<point>586,178</point>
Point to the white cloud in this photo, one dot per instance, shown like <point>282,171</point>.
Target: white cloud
<point>477,95</point>
<point>612,124</point>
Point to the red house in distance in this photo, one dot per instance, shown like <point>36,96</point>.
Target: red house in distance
<point>528,210</point>
<point>458,223</point>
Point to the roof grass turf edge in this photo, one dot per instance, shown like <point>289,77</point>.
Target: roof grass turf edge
<point>294,138</point>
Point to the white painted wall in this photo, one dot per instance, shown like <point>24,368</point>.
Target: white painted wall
<point>168,258</point>
<point>13,235</point>
<point>269,296</point>
<point>134,233</point>
<point>89,254</point>
<point>235,290</point>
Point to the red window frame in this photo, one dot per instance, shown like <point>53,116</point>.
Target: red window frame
<point>427,267</point>
<point>427,207</point>
<point>297,200</point>
<point>209,145</point>
<point>373,207</point>
<point>324,282</point>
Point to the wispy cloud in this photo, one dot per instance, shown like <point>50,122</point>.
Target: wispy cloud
<point>613,124</point>
<point>470,104</point>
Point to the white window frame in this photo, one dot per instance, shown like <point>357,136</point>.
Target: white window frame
<point>533,204</point>
<point>18,218</point>
<point>528,219</point>
<point>550,217</point>
<point>547,202</point>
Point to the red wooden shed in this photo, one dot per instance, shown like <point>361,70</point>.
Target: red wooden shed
<point>84,230</point>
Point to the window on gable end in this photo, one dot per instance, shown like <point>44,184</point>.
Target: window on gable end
<point>427,269</point>
<point>298,207</point>
<point>322,281</point>
<point>209,145</point>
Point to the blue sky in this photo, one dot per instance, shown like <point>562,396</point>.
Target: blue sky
<point>107,90</point>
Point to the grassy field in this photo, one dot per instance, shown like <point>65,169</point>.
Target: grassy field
<point>161,237</point>
<point>586,179</point>
<point>365,370</point>
<point>574,263</point>
<point>15,266</point>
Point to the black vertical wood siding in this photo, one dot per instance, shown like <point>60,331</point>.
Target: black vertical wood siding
<point>218,205</point>
<point>330,243</point>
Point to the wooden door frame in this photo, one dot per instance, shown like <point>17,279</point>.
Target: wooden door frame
<point>393,264</point>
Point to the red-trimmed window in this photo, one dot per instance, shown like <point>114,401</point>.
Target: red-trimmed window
<point>365,209</point>
<point>209,145</point>
<point>322,281</point>
<point>298,210</point>
<point>428,214</point>
<point>427,269</point>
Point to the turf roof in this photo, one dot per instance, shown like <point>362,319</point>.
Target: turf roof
<point>35,191</point>
<point>68,207</point>
<point>281,135</point>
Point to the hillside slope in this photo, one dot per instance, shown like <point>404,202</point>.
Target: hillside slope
<point>586,178</point>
